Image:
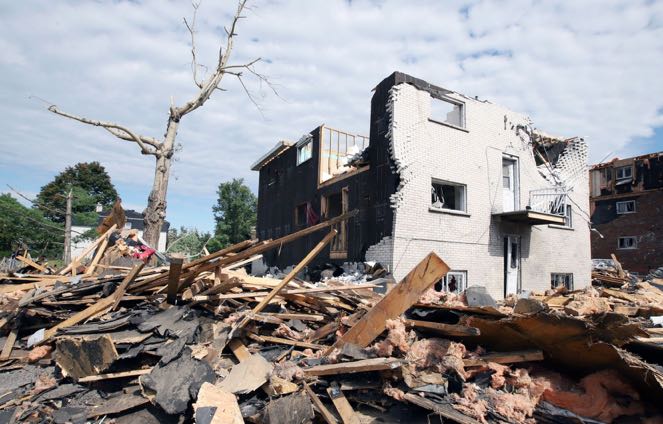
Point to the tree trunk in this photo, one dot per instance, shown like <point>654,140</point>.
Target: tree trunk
<point>155,213</point>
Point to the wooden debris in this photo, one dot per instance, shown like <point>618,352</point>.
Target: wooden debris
<point>366,365</point>
<point>81,357</point>
<point>342,405</point>
<point>446,329</point>
<point>406,293</point>
<point>247,376</point>
<point>322,409</point>
<point>506,358</point>
<point>215,405</point>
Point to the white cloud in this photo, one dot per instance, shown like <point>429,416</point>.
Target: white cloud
<point>577,68</point>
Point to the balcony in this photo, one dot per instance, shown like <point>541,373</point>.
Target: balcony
<point>546,206</point>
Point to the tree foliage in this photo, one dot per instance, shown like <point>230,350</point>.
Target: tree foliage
<point>24,227</point>
<point>90,184</point>
<point>187,241</point>
<point>235,214</point>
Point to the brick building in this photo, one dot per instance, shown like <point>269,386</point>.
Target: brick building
<point>500,202</point>
<point>627,210</point>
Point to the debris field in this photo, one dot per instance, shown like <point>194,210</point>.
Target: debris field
<point>110,339</point>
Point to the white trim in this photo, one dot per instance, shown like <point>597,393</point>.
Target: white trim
<point>625,202</point>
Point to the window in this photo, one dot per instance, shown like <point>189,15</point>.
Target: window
<point>624,172</point>
<point>568,217</point>
<point>304,150</point>
<point>454,281</point>
<point>300,214</point>
<point>561,279</point>
<point>448,112</point>
<point>446,195</point>
<point>627,206</point>
<point>127,225</point>
<point>629,242</point>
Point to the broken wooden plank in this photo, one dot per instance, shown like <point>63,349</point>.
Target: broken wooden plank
<point>247,376</point>
<point>618,266</point>
<point>80,357</point>
<point>9,344</point>
<point>429,271</point>
<point>215,405</point>
<point>174,272</point>
<point>31,263</point>
<point>296,270</point>
<point>97,257</point>
<point>446,329</point>
<point>87,250</point>
<point>348,415</point>
<point>279,340</point>
<point>122,288</point>
<point>301,317</point>
<point>443,409</point>
<point>114,375</point>
<point>317,403</point>
<point>506,358</point>
<point>364,365</point>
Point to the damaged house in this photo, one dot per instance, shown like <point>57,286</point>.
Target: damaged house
<point>626,207</point>
<point>505,205</point>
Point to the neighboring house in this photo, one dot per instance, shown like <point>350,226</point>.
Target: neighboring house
<point>501,203</point>
<point>627,210</point>
<point>134,221</point>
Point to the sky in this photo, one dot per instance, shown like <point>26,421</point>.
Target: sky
<point>587,68</point>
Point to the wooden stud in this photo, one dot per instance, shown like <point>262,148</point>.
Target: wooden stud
<point>446,329</point>
<point>176,263</point>
<point>31,263</point>
<point>364,365</point>
<point>406,293</point>
<point>326,414</point>
<point>133,373</point>
<point>89,249</point>
<point>506,358</point>
<point>342,405</point>
<point>122,288</point>
<point>9,345</point>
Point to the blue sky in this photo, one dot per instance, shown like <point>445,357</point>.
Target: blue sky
<point>587,68</point>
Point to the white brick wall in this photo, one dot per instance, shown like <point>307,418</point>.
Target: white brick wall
<point>424,150</point>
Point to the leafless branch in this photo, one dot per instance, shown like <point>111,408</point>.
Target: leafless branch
<point>192,31</point>
<point>117,130</point>
<point>212,82</point>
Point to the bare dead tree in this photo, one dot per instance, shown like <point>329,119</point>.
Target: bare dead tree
<point>163,149</point>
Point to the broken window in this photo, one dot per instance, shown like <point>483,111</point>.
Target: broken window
<point>304,150</point>
<point>558,279</point>
<point>127,225</point>
<point>454,282</point>
<point>300,214</point>
<point>338,148</point>
<point>627,206</point>
<point>629,242</point>
<point>624,172</point>
<point>448,112</point>
<point>447,195</point>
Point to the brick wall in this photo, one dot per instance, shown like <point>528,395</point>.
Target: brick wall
<point>473,242</point>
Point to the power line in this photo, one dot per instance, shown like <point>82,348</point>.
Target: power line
<point>43,224</point>
<point>35,202</point>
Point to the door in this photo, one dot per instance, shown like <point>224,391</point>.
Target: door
<point>511,264</point>
<point>334,205</point>
<point>509,185</point>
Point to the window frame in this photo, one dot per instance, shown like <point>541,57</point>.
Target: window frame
<point>633,247</point>
<point>436,181</point>
<point>296,215</point>
<point>568,217</point>
<point>444,282</point>
<point>306,144</point>
<point>624,202</point>
<point>555,276</point>
<point>624,168</point>
<point>454,102</point>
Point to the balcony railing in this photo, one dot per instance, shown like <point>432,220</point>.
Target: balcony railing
<point>549,200</point>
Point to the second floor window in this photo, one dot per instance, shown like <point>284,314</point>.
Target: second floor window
<point>304,151</point>
<point>448,112</point>
<point>627,206</point>
<point>446,195</point>
<point>629,242</point>
<point>624,172</point>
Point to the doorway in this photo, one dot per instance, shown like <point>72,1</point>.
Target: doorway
<point>511,265</point>
<point>509,185</point>
<point>334,205</point>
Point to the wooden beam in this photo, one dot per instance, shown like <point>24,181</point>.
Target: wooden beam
<point>97,257</point>
<point>176,263</point>
<point>342,405</point>
<point>31,263</point>
<point>89,249</point>
<point>122,288</point>
<point>618,266</point>
<point>429,271</point>
<point>279,340</point>
<point>9,344</point>
<point>364,365</point>
<point>123,374</point>
<point>322,409</point>
<point>446,329</point>
<point>442,409</point>
<point>296,270</point>
<point>506,358</point>
<point>239,350</point>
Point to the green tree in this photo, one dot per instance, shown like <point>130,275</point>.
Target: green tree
<point>187,241</point>
<point>25,227</point>
<point>90,184</point>
<point>235,214</point>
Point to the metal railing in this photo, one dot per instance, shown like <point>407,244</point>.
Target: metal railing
<point>549,200</point>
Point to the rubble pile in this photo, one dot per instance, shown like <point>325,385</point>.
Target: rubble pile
<point>205,342</point>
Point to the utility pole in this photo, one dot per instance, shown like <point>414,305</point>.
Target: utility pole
<point>67,230</point>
